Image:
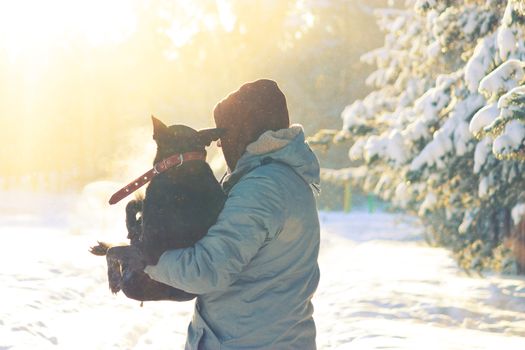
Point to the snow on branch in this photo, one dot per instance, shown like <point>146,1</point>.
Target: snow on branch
<point>485,116</point>
<point>504,78</point>
<point>442,130</point>
<point>341,176</point>
<point>481,62</point>
<point>324,138</point>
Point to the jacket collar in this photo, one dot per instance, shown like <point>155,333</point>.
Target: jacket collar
<point>286,146</point>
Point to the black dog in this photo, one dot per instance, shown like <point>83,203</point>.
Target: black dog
<point>179,207</point>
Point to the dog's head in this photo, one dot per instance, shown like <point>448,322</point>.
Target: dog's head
<point>180,139</point>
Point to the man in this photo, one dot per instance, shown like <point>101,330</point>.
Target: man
<point>256,269</point>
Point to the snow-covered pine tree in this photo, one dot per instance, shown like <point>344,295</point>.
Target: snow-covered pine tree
<point>500,123</point>
<point>449,71</point>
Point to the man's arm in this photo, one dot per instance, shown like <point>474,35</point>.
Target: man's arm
<point>252,215</point>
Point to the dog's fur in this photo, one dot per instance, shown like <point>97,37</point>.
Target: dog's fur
<point>179,207</point>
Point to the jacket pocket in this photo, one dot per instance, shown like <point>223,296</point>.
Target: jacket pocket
<point>194,338</point>
<point>200,335</point>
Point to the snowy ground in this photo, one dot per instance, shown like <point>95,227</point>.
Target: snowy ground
<point>381,288</point>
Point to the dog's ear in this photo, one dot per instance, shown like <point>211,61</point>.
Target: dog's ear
<point>206,136</point>
<point>159,128</point>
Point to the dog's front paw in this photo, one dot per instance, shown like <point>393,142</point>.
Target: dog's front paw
<point>100,249</point>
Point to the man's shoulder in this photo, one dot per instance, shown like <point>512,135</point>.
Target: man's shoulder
<point>271,172</point>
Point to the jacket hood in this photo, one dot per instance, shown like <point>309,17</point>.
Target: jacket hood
<point>286,146</point>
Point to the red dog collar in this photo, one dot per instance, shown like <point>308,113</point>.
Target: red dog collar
<point>160,167</point>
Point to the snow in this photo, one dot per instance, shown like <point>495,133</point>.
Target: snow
<point>483,187</point>
<point>516,132</point>
<point>470,96</point>
<point>480,62</point>
<point>434,100</point>
<point>510,139</point>
<point>398,293</point>
<point>396,148</point>
<point>351,115</point>
<point>518,212</point>
<point>455,128</point>
<point>375,145</point>
<point>433,50</point>
<point>484,117</point>
<point>510,104</point>
<point>433,152</point>
<point>502,79</point>
<point>417,130</point>
<point>506,42</point>
<point>481,153</point>
<point>381,287</point>
<point>402,194</point>
<point>461,137</point>
<point>343,175</point>
<point>471,23</point>
<point>468,217</point>
<point>390,145</point>
<point>357,149</point>
<point>428,204</point>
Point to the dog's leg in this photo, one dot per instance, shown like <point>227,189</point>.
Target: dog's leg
<point>100,249</point>
<point>133,222</point>
<point>114,273</point>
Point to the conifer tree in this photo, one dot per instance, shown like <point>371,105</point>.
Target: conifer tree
<point>442,133</point>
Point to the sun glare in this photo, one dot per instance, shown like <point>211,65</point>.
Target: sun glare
<point>81,72</point>
<point>195,19</point>
<point>35,28</point>
<point>226,15</point>
<point>29,27</point>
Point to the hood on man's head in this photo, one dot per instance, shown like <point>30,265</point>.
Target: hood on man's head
<point>256,107</point>
<point>247,113</point>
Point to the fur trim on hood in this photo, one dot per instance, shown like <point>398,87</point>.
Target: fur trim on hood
<point>271,141</point>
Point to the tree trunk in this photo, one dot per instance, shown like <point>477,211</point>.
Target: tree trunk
<point>518,245</point>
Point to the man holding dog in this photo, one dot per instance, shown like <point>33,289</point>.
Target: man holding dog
<point>256,269</point>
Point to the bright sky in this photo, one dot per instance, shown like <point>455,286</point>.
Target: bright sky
<point>76,74</point>
<point>48,42</point>
<point>35,26</point>
<point>62,62</point>
<point>32,26</point>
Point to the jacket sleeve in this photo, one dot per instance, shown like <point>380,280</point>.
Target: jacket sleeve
<point>252,215</point>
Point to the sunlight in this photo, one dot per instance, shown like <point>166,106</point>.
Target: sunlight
<point>81,72</point>
<point>108,52</point>
<point>180,33</point>
<point>195,19</point>
<point>226,15</point>
<point>28,27</point>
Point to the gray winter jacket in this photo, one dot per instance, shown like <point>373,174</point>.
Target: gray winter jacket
<point>256,269</point>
